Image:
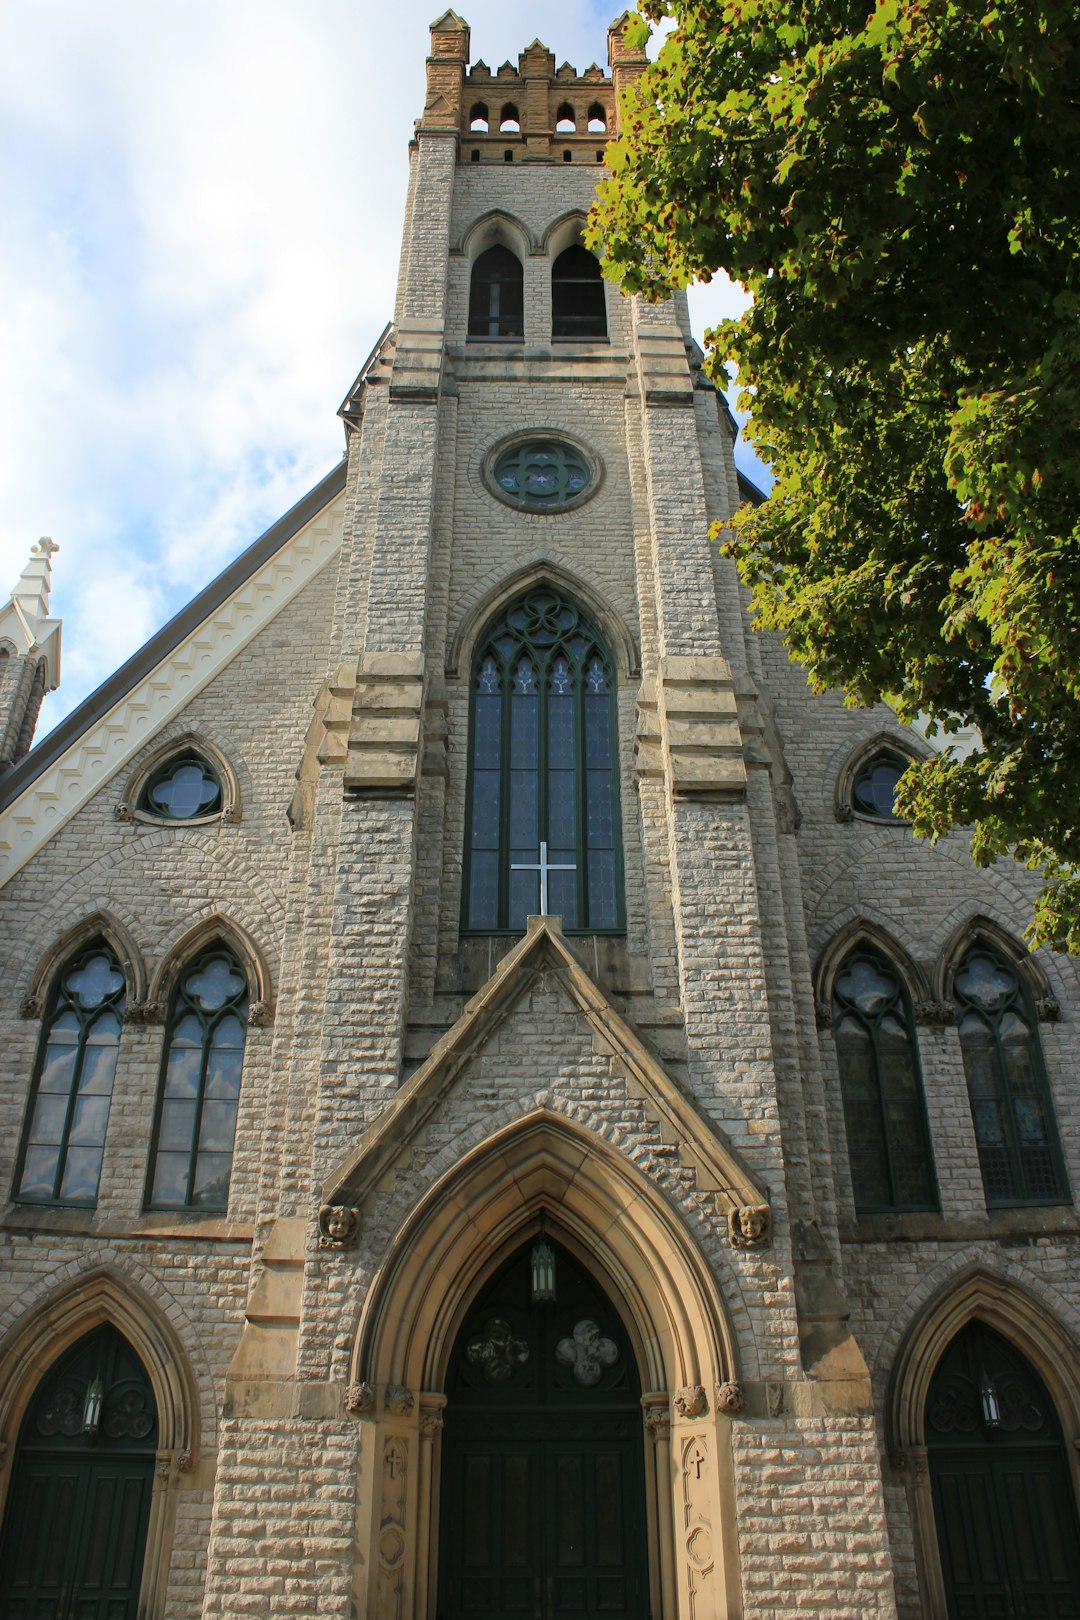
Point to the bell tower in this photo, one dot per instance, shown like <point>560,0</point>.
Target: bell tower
<point>549,904</point>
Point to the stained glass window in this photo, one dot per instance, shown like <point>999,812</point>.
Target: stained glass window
<point>542,473</point>
<point>182,789</point>
<point>874,788</point>
<point>1010,1102</point>
<point>884,1110</point>
<point>543,772</point>
<point>64,1140</point>
<point>191,1164</point>
<point>497,295</point>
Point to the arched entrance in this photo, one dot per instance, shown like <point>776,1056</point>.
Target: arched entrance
<point>75,1531</point>
<point>1007,1527</point>
<point>543,1480</point>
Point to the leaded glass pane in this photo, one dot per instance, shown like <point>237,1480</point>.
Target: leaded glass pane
<point>874,788</point>
<point>82,1170</point>
<point>182,789</point>
<point>884,1113</point>
<point>201,1072</point>
<point>545,474</point>
<point>1010,1103</point>
<point>69,1109</point>
<point>542,771</point>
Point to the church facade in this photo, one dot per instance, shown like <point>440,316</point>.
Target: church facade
<point>498,1116</point>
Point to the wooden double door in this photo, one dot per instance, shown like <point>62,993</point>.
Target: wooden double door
<point>1004,1500</point>
<point>542,1503</point>
<point>75,1525</point>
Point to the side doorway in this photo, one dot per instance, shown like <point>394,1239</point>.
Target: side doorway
<point>1004,1502</point>
<point>74,1534</point>
<point>542,1503</point>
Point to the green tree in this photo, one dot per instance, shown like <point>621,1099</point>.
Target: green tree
<point>899,192</point>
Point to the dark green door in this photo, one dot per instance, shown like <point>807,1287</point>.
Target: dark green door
<point>75,1526</point>
<point>542,1501</point>
<point>1004,1503</point>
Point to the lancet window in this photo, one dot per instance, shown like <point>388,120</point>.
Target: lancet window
<point>543,817</point>
<point>191,1162</point>
<point>64,1139</point>
<point>497,295</point>
<point>884,1109</point>
<point>1010,1101</point>
<point>578,307</point>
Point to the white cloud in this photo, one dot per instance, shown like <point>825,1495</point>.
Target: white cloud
<point>202,207</point>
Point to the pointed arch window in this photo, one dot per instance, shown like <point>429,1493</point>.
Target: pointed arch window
<point>884,1108</point>
<point>497,295</point>
<point>64,1138</point>
<point>1019,1152</point>
<point>543,771</point>
<point>578,306</point>
<point>195,1128</point>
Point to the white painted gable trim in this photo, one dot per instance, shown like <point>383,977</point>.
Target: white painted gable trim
<point>112,740</point>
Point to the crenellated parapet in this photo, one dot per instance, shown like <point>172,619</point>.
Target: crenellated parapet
<point>534,112</point>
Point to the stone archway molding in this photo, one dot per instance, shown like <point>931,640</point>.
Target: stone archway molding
<point>48,1329</point>
<point>594,1201</point>
<point>1015,1313</point>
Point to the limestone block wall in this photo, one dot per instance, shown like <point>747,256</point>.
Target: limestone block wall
<point>158,883</point>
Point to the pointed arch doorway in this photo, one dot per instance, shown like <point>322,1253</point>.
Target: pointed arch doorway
<point>543,1476</point>
<point>75,1530</point>
<point>1007,1527</point>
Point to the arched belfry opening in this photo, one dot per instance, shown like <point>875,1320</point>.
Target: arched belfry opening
<point>78,1510</point>
<point>543,1464</point>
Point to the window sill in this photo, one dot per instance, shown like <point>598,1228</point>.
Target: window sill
<point>910,1226</point>
<point>79,1220</point>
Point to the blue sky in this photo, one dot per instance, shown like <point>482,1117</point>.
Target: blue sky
<point>202,205</point>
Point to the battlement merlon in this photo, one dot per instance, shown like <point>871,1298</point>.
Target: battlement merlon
<point>518,110</point>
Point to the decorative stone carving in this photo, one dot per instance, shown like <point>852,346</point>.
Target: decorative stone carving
<point>339,1226</point>
<point>124,812</point>
<point>430,1424</point>
<point>183,1461</point>
<point>822,1015</point>
<point>697,1528</point>
<point>260,1013</point>
<point>940,1013</point>
<point>844,812</point>
<point>691,1401</point>
<point>144,1012</point>
<point>359,1398</point>
<point>399,1400</point>
<point>750,1226</point>
<point>658,1422</point>
<point>730,1398</point>
<point>497,1352</point>
<point>392,1530</point>
<point>587,1353</point>
<point>1048,1009</point>
<point>32,1007</point>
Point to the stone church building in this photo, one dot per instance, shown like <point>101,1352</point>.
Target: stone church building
<point>498,1117</point>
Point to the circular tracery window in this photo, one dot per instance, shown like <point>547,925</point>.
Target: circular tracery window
<point>541,474</point>
<point>183,789</point>
<point>874,788</point>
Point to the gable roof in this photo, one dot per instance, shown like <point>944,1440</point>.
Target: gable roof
<point>703,1146</point>
<point>43,790</point>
